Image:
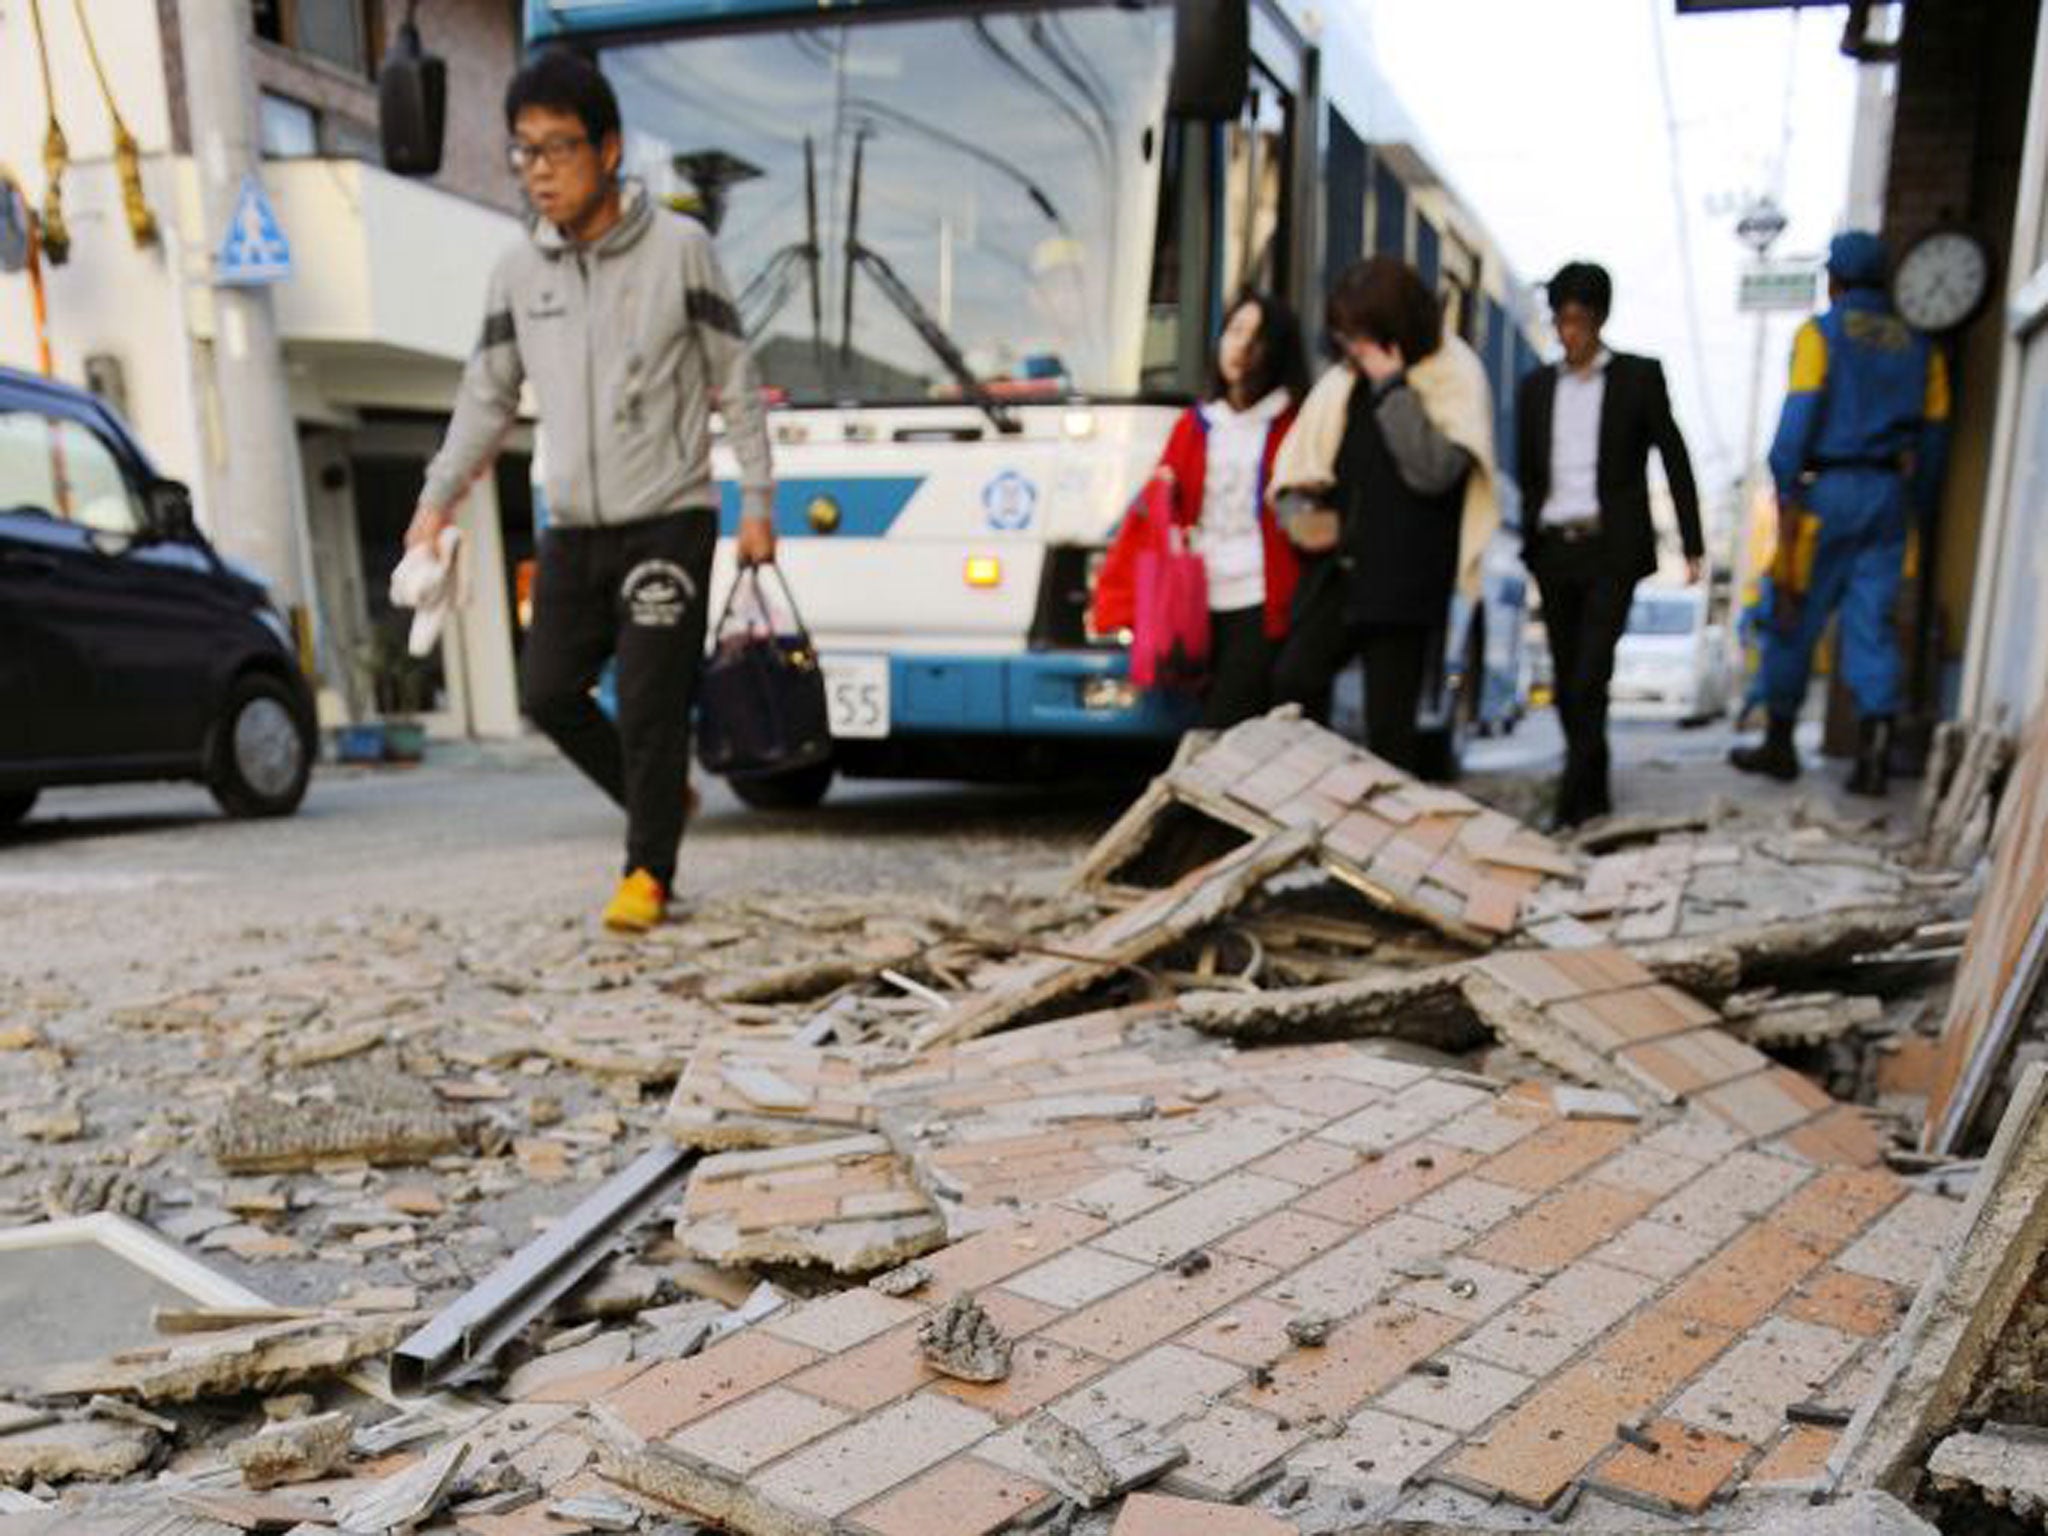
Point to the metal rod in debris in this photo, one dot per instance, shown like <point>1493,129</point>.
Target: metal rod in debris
<point>491,1314</point>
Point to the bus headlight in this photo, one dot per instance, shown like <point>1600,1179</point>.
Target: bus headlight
<point>984,571</point>
<point>1105,695</point>
<point>1078,424</point>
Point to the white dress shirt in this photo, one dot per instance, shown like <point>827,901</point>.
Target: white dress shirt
<point>1575,443</point>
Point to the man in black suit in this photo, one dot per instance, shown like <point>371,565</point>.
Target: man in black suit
<point>1584,431</point>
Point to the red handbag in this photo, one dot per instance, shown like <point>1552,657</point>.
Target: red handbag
<point>1170,631</point>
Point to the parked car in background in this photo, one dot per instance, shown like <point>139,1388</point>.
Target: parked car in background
<point>1671,664</point>
<point>129,648</point>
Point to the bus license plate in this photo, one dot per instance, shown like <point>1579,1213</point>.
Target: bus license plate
<point>857,695</point>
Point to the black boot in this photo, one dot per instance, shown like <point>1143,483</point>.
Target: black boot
<point>1872,775</point>
<point>1774,757</point>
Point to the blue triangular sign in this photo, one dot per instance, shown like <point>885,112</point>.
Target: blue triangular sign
<point>254,249</point>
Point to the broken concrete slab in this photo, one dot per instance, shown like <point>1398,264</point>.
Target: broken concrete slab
<point>263,1358</point>
<point>849,1204</point>
<point>1093,1464</point>
<point>1155,1514</point>
<point>96,1450</point>
<point>2006,1465</point>
<point>353,1112</point>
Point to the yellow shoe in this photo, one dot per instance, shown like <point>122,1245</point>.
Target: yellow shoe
<point>637,905</point>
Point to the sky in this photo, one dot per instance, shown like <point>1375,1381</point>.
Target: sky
<point>1548,118</point>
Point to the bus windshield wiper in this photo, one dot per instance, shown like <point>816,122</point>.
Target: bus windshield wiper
<point>777,277</point>
<point>862,258</point>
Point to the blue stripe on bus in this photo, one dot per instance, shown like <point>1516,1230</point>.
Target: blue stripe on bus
<point>868,505</point>
<point>1037,693</point>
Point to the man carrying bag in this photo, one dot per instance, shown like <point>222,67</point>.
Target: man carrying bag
<point>618,315</point>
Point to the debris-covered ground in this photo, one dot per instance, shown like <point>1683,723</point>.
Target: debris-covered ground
<point>1316,1150</point>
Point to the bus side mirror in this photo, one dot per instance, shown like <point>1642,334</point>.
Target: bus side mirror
<point>1212,59</point>
<point>412,105</point>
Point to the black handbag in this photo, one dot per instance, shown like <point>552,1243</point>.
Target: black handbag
<point>761,704</point>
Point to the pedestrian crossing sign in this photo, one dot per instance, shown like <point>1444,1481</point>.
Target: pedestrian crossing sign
<point>255,249</point>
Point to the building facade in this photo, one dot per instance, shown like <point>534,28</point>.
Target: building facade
<point>376,319</point>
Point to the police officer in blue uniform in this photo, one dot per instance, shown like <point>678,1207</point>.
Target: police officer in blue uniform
<point>1860,445</point>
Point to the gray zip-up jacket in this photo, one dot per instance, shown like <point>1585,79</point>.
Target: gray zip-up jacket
<point>626,343</point>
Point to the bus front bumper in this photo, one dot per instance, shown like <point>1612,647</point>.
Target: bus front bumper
<point>1036,694</point>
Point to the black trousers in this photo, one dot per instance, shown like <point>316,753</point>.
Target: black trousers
<point>1322,642</point>
<point>1240,668</point>
<point>1585,609</point>
<point>637,593</point>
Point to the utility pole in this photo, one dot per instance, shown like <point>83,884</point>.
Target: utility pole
<point>259,512</point>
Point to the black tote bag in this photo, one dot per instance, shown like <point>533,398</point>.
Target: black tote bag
<point>761,704</point>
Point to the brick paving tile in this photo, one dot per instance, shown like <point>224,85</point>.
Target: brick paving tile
<point>1154,1514</point>
<point>997,1254</point>
<point>1842,1137</point>
<point>1852,1388</point>
<point>1324,1097</point>
<point>1467,1289</point>
<point>1682,1065</point>
<point>660,1401</point>
<point>959,1497</point>
<point>1557,1230</point>
<point>754,1431</point>
<point>1376,1071</point>
<point>1463,1400</point>
<point>1533,975</point>
<point>1903,1243</point>
<point>1653,1353</point>
<point>871,1456</point>
<point>1766,1104</point>
<point>1143,1314</point>
<point>1838,1204</point>
<point>1243,1137</point>
<point>1230,1450</point>
<point>1534,1454</point>
<point>1040,1371</point>
<point>1361,1357</point>
<point>1250,1332</point>
<point>1077,1277</point>
<point>1656,1249</point>
<point>1778,1363</point>
<point>1485,1129</point>
<point>837,1323</point>
<point>1160,1386</point>
<point>1615,1020</point>
<point>1742,1283</point>
<point>590,1384</point>
<point>1307,1162</point>
<point>1120,1196</point>
<point>1556,1153</point>
<point>1800,1454</point>
<point>1696,1137</point>
<point>1689,1466</point>
<point>1376,1450</point>
<point>1725,1199</point>
<point>1472,1204</point>
<point>1375,1188</point>
<point>1285,1239</point>
<point>1352,1276</point>
<point>1855,1304</point>
<point>865,1378</point>
<point>1543,1330</point>
<point>1199,1218</point>
<point>1653,1173</point>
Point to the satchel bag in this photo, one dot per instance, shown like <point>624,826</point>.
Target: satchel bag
<point>761,705</point>
<point>1170,637</point>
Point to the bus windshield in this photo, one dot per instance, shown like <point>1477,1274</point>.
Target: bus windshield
<point>997,172</point>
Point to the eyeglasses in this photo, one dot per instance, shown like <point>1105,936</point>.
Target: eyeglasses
<point>555,150</point>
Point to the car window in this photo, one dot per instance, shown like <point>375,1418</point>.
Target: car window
<point>63,468</point>
<point>1661,616</point>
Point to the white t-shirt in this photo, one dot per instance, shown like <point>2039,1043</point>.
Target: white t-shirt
<point>1227,535</point>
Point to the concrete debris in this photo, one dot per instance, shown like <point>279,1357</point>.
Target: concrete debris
<point>262,1358</point>
<point>1310,1330</point>
<point>299,1451</point>
<point>962,1341</point>
<point>904,1280</point>
<point>94,1450</point>
<point>848,1204</point>
<point>2003,1464</point>
<point>1095,1463</point>
<point>405,1499</point>
<point>298,1123</point>
<point>85,1188</point>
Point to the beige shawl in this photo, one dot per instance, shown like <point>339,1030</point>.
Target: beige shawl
<point>1451,383</point>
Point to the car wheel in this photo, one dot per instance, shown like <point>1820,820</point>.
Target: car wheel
<point>16,806</point>
<point>262,750</point>
<point>797,790</point>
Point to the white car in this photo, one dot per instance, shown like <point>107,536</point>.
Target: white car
<point>1671,664</point>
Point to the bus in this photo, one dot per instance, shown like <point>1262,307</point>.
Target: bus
<point>981,251</point>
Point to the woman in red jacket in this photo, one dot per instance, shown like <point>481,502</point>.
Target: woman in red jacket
<point>1215,466</point>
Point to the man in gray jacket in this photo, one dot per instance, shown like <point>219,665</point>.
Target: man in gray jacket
<point>617,314</point>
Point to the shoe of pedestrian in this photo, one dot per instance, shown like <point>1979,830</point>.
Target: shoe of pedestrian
<point>637,905</point>
<point>1872,773</point>
<point>1775,757</point>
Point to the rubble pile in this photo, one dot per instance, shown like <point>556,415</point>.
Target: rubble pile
<point>1328,1153</point>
